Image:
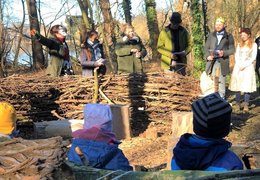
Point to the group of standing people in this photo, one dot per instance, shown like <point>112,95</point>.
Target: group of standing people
<point>174,43</point>
<point>218,48</point>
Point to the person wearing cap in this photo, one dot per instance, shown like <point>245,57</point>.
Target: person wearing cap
<point>91,55</point>
<point>7,120</point>
<point>174,44</point>
<point>219,46</point>
<point>206,149</point>
<point>243,79</point>
<point>59,62</point>
<point>96,145</point>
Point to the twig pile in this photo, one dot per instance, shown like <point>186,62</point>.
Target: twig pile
<point>152,96</point>
<point>36,159</point>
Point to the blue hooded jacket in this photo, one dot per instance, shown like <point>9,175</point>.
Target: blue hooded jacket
<point>99,155</point>
<point>195,153</point>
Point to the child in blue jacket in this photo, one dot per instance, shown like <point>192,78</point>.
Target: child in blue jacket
<point>206,149</point>
<point>96,144</point>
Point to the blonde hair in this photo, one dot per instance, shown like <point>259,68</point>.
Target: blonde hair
<point>125,27</point>
<point>220,20</point>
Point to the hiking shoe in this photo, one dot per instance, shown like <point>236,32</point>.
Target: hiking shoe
<point>246,108</point>
<point>237,107</point>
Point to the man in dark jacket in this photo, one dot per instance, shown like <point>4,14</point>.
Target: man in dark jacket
<point>174,44</point>
<point>219,46</point>
<point>206,149</point>
<point>257,41</point>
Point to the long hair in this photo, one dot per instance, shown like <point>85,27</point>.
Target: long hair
<point>88,53</point>
<point>250,40</point>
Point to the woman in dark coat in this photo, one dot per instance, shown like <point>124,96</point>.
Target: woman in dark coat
<point>58,50</point>
<point>91,55</point>
<point>130,51</point>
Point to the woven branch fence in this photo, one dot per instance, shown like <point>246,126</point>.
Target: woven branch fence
<point>151,96</point>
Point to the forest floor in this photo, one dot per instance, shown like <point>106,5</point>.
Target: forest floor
<point>152,154</point>
<point>149,153</point>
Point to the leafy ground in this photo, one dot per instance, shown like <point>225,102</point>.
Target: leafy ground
<point>149,153</point>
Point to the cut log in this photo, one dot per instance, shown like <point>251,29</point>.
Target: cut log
<point>121,121</point>
<point>62,128</point>
<point>181,124</point>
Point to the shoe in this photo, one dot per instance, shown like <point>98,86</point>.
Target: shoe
<point>237,107</point>
<point>246,108</point>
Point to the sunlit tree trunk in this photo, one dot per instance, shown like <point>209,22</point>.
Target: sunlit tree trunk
<point>1,50</point>
<point>1,42</point>
<point>108,31</point>
<point>19,40</point>
<point>197,36</point>
<point>83,4</point>
<point>37,52</point>
<point>127,11</point>
<point>153,28</point>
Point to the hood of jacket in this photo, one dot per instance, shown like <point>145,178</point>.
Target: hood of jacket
<point>193,152</point>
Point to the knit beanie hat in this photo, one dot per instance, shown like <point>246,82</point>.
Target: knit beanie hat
<point>7,118</point>
<point>211,116</point>
<point>98,115</point>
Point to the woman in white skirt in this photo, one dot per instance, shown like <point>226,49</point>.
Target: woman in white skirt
<point>243,78</point>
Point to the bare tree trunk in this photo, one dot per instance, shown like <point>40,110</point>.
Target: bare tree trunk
<point>38,57</point>
<point>19,40</point>
<point>153,28</point>
<point>179,6</point>
<point>1,49</point>
<point>127,11</point>
<point>109,36</point>
<point>83,4</point>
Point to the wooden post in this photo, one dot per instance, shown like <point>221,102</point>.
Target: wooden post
<point>181,124</point>
<point>121,121</point>
<point>95,96</point>
<point>216,79</point>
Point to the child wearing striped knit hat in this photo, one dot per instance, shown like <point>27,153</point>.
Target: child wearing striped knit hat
<point>206,149</point>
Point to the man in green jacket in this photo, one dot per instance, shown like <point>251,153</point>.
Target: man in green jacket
<point>173,45</point>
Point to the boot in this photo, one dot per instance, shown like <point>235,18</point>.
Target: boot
<point>237,107</point>
<point>246,108</point>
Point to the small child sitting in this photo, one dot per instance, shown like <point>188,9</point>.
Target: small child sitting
<point>96,144</point>
<point>206,149</point>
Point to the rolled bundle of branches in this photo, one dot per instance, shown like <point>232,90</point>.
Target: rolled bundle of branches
<point>20,158</point>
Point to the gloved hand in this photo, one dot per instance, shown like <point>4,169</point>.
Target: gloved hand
<point>100,62</point>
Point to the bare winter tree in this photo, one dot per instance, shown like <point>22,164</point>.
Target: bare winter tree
<point>20,37</point>
<point>126,4</point>
<point>108,31</point>
<point>84,7</point>
<point>37,51</point>
<point>5,42</point>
